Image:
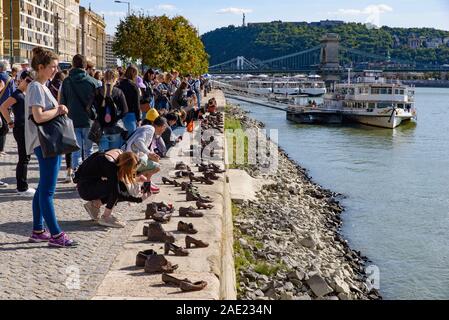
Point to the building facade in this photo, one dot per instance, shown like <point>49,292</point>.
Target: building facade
<point>32,24</point>
<point>66,28</point>
<point>111,59</point>
<point>93,37</point>
<point>1,31</point>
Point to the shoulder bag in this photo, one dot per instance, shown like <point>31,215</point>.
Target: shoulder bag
<point>56,136</point>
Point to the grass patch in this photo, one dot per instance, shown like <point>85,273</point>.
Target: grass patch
<point>235,139</point>
<point>264,268</point>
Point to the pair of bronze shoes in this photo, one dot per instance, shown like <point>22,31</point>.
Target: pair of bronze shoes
<point>182,166</point>
<point>156,233</point>
<point>154,263</point>
<point>170,182</point>
<point>203,167</point>
<point>177,251</point>
<point>201,205</point>
<point>190,212</point>
<point>159,212</point>
<point>201,180</point>
<point>210,175</point>
<point>193,195</point>
<point>186,228</point>
<point>195,243</point>
<point>185,284</point>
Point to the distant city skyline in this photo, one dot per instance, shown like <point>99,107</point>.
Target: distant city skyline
<point>208,15</point>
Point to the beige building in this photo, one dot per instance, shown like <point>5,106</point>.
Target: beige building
<point>32,26</point>
<point>93,37</point>
<point>111,59</point>
<point>66,28</point>
<point>1,30</point>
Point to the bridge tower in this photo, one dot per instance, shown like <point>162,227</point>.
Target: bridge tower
<point>240,63</point>
<point>330,68</point>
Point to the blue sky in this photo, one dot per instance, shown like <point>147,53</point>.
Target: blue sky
<point>208,15</point>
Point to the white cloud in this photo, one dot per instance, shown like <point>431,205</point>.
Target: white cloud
<point>113,13</point>
<point>166,7</point>
<point>369,10</point>
<point>371,13</point>
<point>232,10</point>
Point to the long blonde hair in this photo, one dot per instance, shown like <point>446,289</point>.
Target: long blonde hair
<point>127,164</point>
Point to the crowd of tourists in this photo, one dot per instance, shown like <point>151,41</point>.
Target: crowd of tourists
<point>132,119</point>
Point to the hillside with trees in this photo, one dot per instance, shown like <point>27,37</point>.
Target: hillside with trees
<point>263,41</point>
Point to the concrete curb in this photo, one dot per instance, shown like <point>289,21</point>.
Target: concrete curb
<point>228,288</point>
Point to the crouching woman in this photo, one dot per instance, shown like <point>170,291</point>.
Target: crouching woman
<point>104,179</point>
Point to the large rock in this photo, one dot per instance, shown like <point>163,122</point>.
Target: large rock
<point>287,296</point>
<point>259,293</point>
<point>296,275</point>
<point>341,287</point>
<point>288,286</point>
<point>303,297</point>
<point>319,286</point>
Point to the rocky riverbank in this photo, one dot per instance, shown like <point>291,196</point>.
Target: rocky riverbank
<point>287,243</point>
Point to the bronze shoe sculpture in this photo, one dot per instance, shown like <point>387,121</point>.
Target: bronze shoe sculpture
<point>185,284</point>
<point>190,241</point>
<point>201,205</point>
<point>157,234</point>
<point>142,257</point>
<point>162,206</point>
<point>172,280</point>
<point>195,286</point>
<point>190,212</point>
<point>205,180</point>
<point>195,196</point>
<point>182,166</point>
<point>151,210</point>
<point>162,217</point>
<point>158,264</point>
<point>178,251</point>
<point>210,175</point>
<point>171,182</point>
<point>145,230</point>
<point>186,227</point>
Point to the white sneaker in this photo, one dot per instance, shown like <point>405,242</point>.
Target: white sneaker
<point>28,193</point>
<point>68,178</point>
<point>111,222</point>
<point>92,210</point>
<point>3,184</point>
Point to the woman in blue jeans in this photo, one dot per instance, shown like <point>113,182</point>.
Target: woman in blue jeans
<point>40,103</point>
<point>110,106</point>
<point>129,87</point>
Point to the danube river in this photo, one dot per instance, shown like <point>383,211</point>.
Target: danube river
<point>396,184</point>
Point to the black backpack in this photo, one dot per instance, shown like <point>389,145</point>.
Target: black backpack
<point>108,113</point>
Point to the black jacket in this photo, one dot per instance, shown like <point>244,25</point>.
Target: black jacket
<point>119,100</point>
<point>132,95</point>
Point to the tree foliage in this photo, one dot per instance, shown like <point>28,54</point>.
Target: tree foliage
<point>275,39</point>
<point>161,42</point>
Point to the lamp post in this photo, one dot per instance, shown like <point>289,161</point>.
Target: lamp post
<point>11,50</point>
<point>127,2</point>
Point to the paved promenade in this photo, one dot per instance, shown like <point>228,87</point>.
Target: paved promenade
<point>100,266</point>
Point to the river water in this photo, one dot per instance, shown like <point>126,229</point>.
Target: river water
<point>396,184</point>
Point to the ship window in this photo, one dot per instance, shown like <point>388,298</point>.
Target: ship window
<point>390,91</point>
<point>396,91</point>
<point>371,105</point>
<point>400,105</point>
<point>382,105</point>
<point>401,91</point>
<point>375,90</point>
<point>383,91</point>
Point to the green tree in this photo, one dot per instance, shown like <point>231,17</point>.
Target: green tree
<point>161,42</point>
